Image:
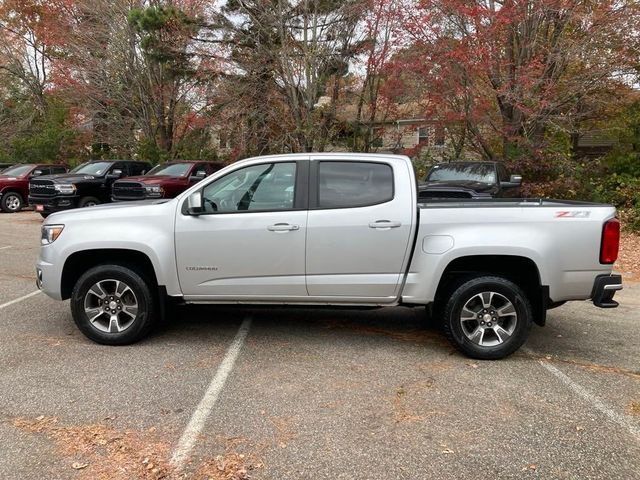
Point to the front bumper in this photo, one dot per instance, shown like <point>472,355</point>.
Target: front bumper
<point>48,278</point>
<point>133,199</point>
<point>604,288</point>
<point>54,204</point>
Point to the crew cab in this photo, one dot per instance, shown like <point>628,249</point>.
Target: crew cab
<point>163,181</point>
<point>330,229</point>
<point>14,183</point>
<point>86,185</point>
<point>469,180</point>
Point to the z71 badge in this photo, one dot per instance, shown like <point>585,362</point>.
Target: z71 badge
<point>574,214</point>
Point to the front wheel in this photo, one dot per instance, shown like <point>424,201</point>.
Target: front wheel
<point>12,202</point>
<point>487,317</point>
<point>113,305</point>
<point>88,202</point>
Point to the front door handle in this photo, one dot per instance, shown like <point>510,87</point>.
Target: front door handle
<point>283,227</point>
<point>385,224</point>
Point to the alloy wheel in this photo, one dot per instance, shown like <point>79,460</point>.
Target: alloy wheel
<point>12,202</point>
<point>488,319</point>
<point>111,306</point>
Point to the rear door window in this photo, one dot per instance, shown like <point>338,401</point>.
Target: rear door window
<point>354,184</point>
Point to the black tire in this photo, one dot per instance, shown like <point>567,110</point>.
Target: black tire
<point>44,214</point>
<point>12,202</point>
<point>144,298</point>
<point>88,202</point>
<point>468,290</point>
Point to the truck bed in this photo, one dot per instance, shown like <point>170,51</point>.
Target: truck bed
<point>505,203</point>
<point>562,237</point>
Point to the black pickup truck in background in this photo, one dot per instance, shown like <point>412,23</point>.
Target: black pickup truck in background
<point>469,180</point>
<point>86,185</point>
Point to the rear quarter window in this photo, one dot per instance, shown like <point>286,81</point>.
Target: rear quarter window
<point>354,184</point>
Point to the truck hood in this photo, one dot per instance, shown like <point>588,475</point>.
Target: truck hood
<point>151,179</point>
<point>5,179</point>
<point>68,178</point>
<point>479,187</point>
<point>108,210</point>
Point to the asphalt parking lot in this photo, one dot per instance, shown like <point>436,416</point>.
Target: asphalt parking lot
<point>270,393</point>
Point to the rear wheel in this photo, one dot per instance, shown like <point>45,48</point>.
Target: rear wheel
<point>88,202</point>
<point>487,317</point>
<point>12,202</point>
<point>113,305</point>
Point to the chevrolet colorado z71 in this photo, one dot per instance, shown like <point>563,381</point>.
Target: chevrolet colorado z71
<point>331,229</point>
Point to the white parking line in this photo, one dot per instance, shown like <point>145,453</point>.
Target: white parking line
<point>199,418</point>
<point>4,248</point>
<point>24,297</point>
<point>595,402</point>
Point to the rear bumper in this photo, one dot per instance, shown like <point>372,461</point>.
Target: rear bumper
<point>604,288</point>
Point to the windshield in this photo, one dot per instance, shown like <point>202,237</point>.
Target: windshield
<point>92,168</point>
<point>474,172</point>
<point>17,170</point>
<point>171,169</point>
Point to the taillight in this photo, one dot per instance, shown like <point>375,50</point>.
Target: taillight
<point>610,241</point>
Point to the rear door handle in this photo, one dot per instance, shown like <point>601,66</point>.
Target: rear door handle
<point>385,224</point>
<point>283,227</point>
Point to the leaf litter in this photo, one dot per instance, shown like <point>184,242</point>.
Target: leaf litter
<point>101,452</point>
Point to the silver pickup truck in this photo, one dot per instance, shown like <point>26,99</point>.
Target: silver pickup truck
<point>330,229</point>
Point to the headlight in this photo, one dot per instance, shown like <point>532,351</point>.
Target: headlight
<point>65,188</point>
<point>154,191</point>
<point>49,233</point>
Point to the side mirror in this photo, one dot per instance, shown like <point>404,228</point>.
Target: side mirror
<point>194,203</point>
<point>198,176</point>
<point>36,173</point>
<point>115,173</point>
<point>514,182</point>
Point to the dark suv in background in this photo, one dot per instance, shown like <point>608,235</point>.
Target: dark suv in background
<point>469,180</point>
<point>86,185</point>
<point>14,183</point>
<point>163,181</point>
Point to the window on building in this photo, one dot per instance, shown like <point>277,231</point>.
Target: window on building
<point>423,135</point>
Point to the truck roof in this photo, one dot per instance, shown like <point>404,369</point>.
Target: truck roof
<point>115,161</point>
<point>331,155</point>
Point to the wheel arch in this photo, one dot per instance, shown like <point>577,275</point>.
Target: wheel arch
<point>15,190</point>
<point>521,270</point>
<point>79,262</point>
